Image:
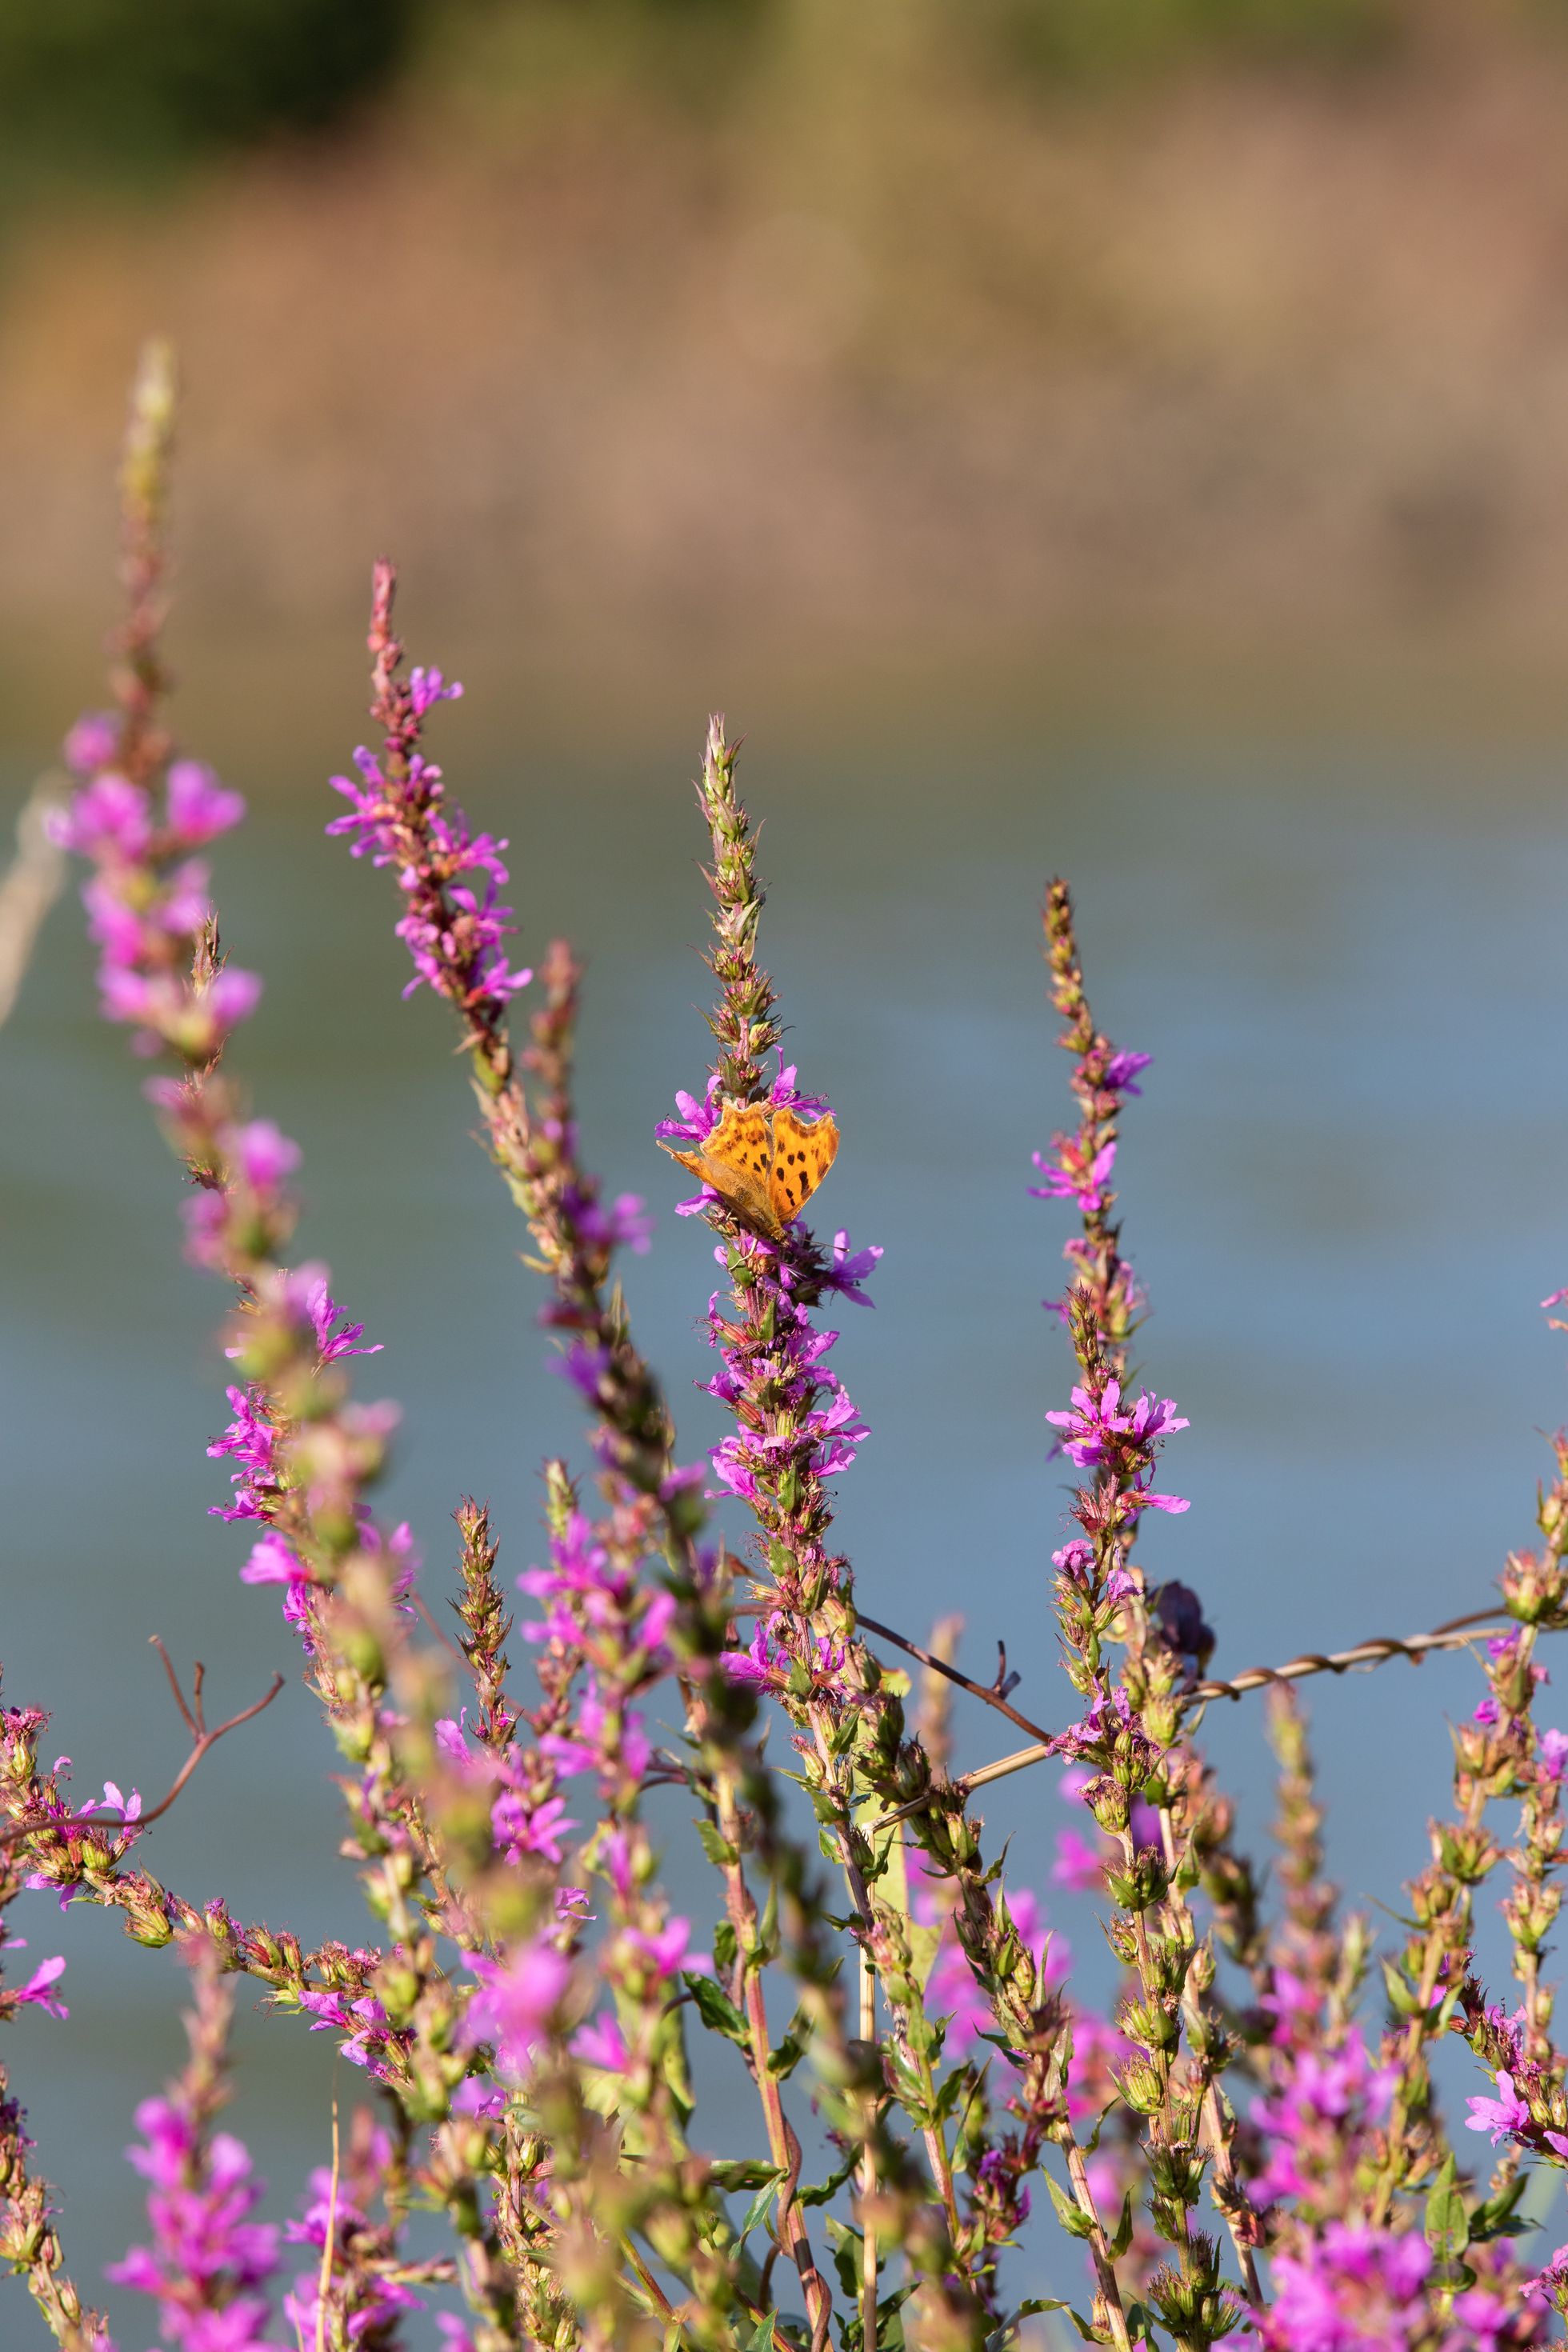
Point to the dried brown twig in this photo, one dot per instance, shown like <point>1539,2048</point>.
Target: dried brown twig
<point>194,1719</point>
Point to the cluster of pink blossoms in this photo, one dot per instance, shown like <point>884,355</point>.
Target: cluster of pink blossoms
<point>1080,1172</point>
<point>143,928</point>
<point>449,924</point>
<point>207,2257</point>
<point>1361,2289</point>
<point>1098,1433</point>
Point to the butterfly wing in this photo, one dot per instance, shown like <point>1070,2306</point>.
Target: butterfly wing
<point>735,1159</point>
<point>803,1153</point>
<point>691,1160</point>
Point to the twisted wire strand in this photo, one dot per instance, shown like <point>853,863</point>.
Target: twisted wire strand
<point>1375,1651</point>
<point>1362,1655</point>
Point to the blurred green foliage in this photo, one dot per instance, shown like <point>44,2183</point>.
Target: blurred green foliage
<point>91,87</point>
<point>1077,41</point>
<point>109,89</point>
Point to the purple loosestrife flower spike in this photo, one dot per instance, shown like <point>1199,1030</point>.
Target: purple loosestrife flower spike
<point>208,2264</point>
<point>1130,1730</point>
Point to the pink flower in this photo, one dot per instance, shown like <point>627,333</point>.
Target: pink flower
<point>110,820</point>
<point>426,687</point>
<point>515,2004</point>
<point>1354,2289</point>
<point>1503,2115</point>
<point>521,1830</point>
<point>305,1291</point>
<point>1122,1069</point>
<point>272,1561</point>
<point>232,997</point>
<point>93,742</point>
<point>206,2254</point>
<point>199,807</point>
<point>666,1949</point>
<point>122,930</point>
<point>1079,1865</point>
<point>263,1154</point>
<point>1067,1179</point>
<point>1552,2280</point>
<point>1096,1427</point>
<point>851,1269</point>
<point>38,1990</point>
<point>602,2044</point>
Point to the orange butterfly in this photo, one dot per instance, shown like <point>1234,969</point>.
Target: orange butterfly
<point>765,1163</point>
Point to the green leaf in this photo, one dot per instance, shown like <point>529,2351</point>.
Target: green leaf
<point>1008,2334</point>
<point>893,1886</point>
<point>820,2191</point>
<point>1123,2238</point>
<point>786,2056</point>
<point>957,2090</point>
<point>742,2172</point>
<point>1074,2222</point>
<point>719,1849</point>
<point>758,2207</point>
<point>767,1937</point>
<point>845,2244</point>
<point>717,2011</point>
<point>1496,2217</point>
<point>1448,2224</point>
<point>1405,1999</point>
<point>891,2336</point>
<point>762,2337</point>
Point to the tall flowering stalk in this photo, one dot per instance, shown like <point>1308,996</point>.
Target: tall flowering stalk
<point>400,817</point>
<point>456,929</point>
<point>30,2242</point>
<point>305,1453</point>
<point>207,2257</point>
<point>1130,1737</point>
<point>795,1428</point>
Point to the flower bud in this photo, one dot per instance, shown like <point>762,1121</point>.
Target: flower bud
<point>1533,1588</point>
<point>1109,1803</point>
<point>1142,2086</point>
<point>1142,1884</point>
<point>1149,2023</point>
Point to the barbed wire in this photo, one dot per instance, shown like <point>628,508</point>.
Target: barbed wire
<point>1362,1655</point>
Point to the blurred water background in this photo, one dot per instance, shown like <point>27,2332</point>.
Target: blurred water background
<point>1140,457</point>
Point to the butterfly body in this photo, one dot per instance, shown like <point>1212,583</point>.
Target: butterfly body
<point>764,1160</point>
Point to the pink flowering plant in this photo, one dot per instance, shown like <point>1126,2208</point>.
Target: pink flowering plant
<point>1245,2143</point>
